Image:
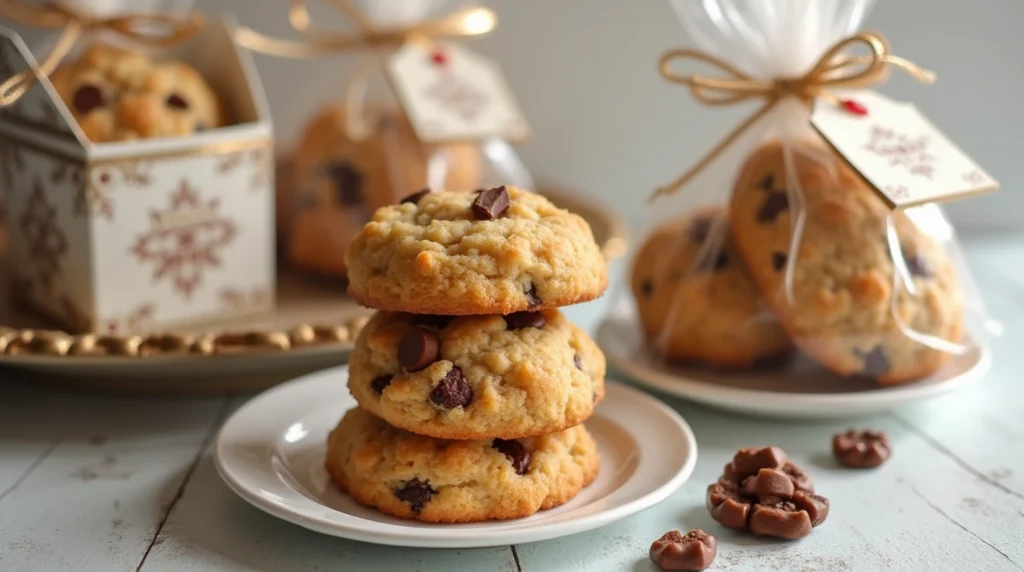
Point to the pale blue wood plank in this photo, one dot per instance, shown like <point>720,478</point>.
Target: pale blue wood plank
<point>213,530</point>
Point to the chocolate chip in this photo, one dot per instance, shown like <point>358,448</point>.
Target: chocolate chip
<point>491,203</point>
<point>415,492</point>
<point>816,506</point>
<point>579,362</point>
<point>453,391</point>
<point>516,453</point>
<point>718,262</point>
<point>417,349</point>
<point>176,101</point>
<point>415,197</point>
<point>89,97</point>
<point>772,207</point>
<point>747,462</point>
<point>769,486</point>
<point>781,520</point>
<point>380,383</point>
<point>918,266</point>
<point>875,362</point>
<point>768,183</point>
<point>532,299</point>
<point>695,550</point>
<point>700,229</point>
<point>435,321</point>
<point>778,260</point>
<point>727,506</point>
<point>861,449</point>
<point>647,288</point>
<point>347,182</point>
<point>520,320</point>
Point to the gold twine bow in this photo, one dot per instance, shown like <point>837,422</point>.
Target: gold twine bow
<point>468,21</point>
<point>150,29</point>
<point>834,70</point>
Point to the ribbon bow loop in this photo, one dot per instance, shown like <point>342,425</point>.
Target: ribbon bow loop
<point>159,30</point>
<point>835,69</point>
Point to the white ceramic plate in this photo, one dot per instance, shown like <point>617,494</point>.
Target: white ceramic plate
<point>271,451</point>
<point>796,390</point>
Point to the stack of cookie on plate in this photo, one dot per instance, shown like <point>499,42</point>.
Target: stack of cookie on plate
<point>867,292</point>
<point>471,384</point>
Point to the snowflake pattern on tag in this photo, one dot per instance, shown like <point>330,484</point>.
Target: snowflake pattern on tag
<point>450,94</point>
<point>898,151</point>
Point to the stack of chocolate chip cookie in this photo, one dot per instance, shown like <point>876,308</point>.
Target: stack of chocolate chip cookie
<point>472,386</point>
<point>859,288</point>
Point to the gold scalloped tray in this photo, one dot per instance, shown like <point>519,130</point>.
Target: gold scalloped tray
<point>313,327</point>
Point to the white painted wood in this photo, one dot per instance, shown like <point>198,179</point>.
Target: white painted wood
<point>952,497</point>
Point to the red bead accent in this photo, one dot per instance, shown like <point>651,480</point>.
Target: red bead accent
<point>854,107</point>
<point>440,58</point>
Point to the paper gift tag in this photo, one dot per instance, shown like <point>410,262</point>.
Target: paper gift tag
<point>898,151</point>
<point>451,94</point>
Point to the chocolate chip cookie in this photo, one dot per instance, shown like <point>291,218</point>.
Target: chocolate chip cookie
<point>695,298</point>
<point>416,477</point>
<point>477,377</point>
<point>841,306</point>
<point>118,95</point>
<point>495,251</point>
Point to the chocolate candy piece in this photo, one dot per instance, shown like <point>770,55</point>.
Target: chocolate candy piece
<point>695,550</point>
<point>700,229</point>
<point>769,486</point>
<point>347,182</point>
<point>416,493</point>
<point>647,288</point>
<point>747,462</point>
<point>417,349</point>
<point>520,320</point>
<point>716,262</point>
<point>801,480</point>
<point>516,453</point>
<point>435,321</point>
<point>727,506</point>
<point>768,183</point>
<point>532,299</point>
<point>816,506</point>
<point>781,520</point>
<point>775,204</point>
<point>453,391</point>
<point>778,260</point>
<point>577,361</point>
<point>491,203</point>
<point>861,449</point>
<point>875,362</point>
<point>176,101</point>
<point>415,197</point>
<point>89,97</point>
<point>380,383</point>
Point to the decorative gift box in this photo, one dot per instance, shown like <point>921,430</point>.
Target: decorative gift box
<point>136,235</point>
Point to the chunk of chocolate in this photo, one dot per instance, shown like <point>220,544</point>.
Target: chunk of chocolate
<point>418,348</point>
<point>453,391</point>
<point>700,228</point>
<point>380,383</point>
<point>176,101</point>
<point>775,204</point>
<point>778,260</point>
<point>89,97</point>
<point>520,320</point>
<point>918,266</point>
<point>747,462</point>
<point>875,362</point>
<point>415,197</point>
<point>693,551</point>
<point>861,449</point>
<point>347,182</point>
<point>415,492</point>
<point>716,262</point>
<point>727,505</point>
<point>781,520</point>
<point>491,203</point>
<point>647,288</point>
<point>769,486</point>
<point>577,361</point>
<point>768,183</point>
<point>532,299</point>
<point>815,506</point>
<point>516,453</point>
<point>801,480</point>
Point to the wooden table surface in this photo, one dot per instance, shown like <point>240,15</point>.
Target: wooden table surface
<point>102,483</point>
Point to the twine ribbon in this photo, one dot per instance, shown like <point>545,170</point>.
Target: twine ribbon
<point>159,30</point>
<point>834,70</point>
<point>319,41</point>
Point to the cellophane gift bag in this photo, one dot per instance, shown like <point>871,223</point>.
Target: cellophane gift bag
<point>775,245</point>
<point>370,147</point>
